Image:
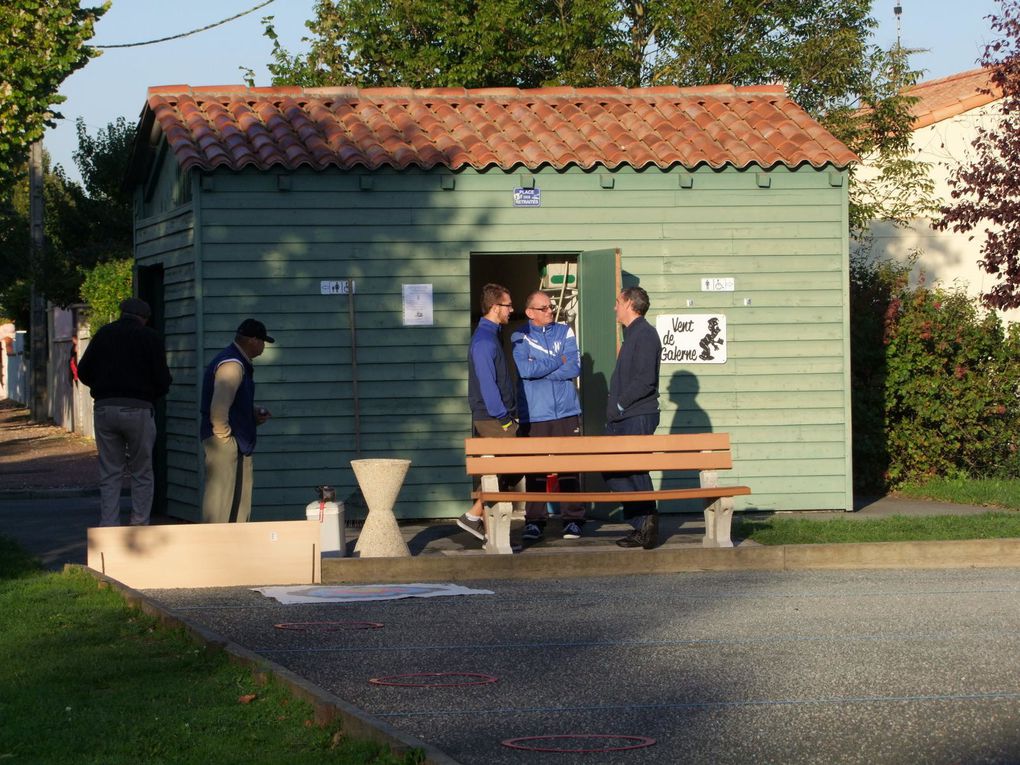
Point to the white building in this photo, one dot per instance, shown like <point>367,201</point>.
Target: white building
<point>947,118</point>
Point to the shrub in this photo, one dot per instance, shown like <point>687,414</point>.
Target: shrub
<point>951,406</point>
<point>935,382</point>
<point>105,286</point>
<point>872,289</point>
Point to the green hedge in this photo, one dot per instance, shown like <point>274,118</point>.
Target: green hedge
<point>935,383</point>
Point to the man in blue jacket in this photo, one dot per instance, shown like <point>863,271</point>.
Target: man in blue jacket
<point>633,408</point>
<point>229,417</point>
<point>548,362</point>
<point>490,388</point>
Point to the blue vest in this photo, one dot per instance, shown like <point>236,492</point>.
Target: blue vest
<point>242,411</point>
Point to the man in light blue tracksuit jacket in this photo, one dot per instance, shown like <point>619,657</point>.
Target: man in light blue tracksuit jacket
<point>548,363</point>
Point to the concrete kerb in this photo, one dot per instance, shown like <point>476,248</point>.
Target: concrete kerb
<point>560,563</point>
<point>355,722</point>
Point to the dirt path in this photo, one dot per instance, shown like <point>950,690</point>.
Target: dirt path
<point>34,456</point>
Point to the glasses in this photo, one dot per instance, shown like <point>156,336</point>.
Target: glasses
<point>541,308</point>
<point>505,305</point>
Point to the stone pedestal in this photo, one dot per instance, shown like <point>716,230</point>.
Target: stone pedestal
<point>380,481</point>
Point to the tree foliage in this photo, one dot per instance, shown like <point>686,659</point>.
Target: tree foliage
<point>84,226</point>
<point>41,43</point>
<point>985,192</point>
<point>819,49</point>
<point>104,287</point>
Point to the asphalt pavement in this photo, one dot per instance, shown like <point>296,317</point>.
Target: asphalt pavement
<point>734,667</point>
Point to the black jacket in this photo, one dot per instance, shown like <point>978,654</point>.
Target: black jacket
<point>634,387</point>
<point>125,360</point>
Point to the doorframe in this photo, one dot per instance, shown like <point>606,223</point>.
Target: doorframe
<point>151,289</point>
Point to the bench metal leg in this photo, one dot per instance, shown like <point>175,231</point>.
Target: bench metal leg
<point>497,520</point>
<point>718,514</point>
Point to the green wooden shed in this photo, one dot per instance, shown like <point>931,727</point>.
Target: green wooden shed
<point>359,225</point>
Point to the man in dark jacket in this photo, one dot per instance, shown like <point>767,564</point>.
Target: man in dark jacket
<point>125,369</point>
<point>633,408</point>
<point>227,429</point>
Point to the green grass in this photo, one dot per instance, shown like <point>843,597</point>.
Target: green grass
<point>86,679</point>
<point>984,492</point>
<point>897,528</point>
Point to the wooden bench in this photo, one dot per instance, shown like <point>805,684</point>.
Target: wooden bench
<point>707,453</point>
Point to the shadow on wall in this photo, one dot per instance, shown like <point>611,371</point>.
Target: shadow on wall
<point>688,417</point>
<point>947,259</point>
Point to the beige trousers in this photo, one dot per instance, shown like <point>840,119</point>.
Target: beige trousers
<point>228,481</point>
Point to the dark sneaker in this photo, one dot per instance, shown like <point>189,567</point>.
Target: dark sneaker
<point>472,525</point>
<point>532,531</point>
<point>571,530</point>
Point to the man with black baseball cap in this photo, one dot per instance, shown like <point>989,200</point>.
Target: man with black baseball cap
<point>125,368</point>
<point>229,420</point>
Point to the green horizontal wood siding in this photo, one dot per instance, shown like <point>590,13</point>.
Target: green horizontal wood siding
<point>167,239</point>
<point>783,394</point>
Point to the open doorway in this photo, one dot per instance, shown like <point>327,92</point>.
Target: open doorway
<point>581,287</point>
<point>151,290</point>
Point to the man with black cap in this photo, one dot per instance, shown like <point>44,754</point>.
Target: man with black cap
<point>125,369</point>
<point>229,420</point>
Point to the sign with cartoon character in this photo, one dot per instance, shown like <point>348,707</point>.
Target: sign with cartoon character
<point>692,338</point>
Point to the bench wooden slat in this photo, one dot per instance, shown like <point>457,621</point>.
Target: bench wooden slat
<point>610,496</point>
<point>684,442</point>
<point>596,463</point>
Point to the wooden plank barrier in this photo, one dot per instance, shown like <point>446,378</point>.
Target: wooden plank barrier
<point>208,554</point>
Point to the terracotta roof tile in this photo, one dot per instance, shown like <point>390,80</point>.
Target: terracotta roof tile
<point>291,127</point>
<point>947,97</point>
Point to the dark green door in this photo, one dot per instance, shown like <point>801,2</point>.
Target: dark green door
<point>598,276</point>
<point>150,289</point>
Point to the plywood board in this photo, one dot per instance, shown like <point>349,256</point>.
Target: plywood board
<point>208,554</point>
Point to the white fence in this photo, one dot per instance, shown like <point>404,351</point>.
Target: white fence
<point>69,402</point>
<point>16,369</point>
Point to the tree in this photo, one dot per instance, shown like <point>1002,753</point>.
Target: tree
<point>985,192</point>
<point>900,188</point>
<point>41,43</point>
<point>102,160</point>
<point>819,48</point>
<point>84,226</point>
<point>469,43</point>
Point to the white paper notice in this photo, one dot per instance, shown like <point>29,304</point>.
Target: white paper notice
<point>417,305</point>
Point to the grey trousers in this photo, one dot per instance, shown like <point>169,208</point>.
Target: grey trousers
<point>125,436</point>
<point>228,480</point>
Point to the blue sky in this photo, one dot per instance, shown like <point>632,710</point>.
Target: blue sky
<point>114,85</point>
